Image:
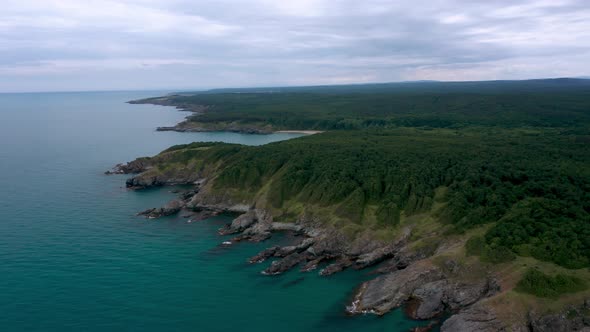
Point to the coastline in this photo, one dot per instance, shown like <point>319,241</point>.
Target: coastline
<point>305,132</point>
<point>436,283</point>
<point>194,126</point>
<point>428,279</point>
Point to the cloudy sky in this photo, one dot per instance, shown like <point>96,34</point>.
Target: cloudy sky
<point>57,45</point>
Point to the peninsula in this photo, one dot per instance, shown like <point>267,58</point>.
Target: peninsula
<point>468,200</point>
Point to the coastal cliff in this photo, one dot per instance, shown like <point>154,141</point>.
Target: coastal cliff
<point>416,244</point>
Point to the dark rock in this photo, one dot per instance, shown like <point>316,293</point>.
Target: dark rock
<point>259,237</point>
<point>141,182</point>
<point>428,300</point>
<point>264,255</point>
<point>572,319</point>
<point>241,223</point>
<point>202,215</point>
<point>313,264</point>
<point>387,292</point>
<point>134,167</point>
<point>285,264</point>
<point>328,243</point>
<point>336,267</point>
<point>188,194</point>
<point>459,295</point>
<point>285,251</point>
<point>374,257</point>
<point>402,259</point>
<point>474,318</point>
<point>169,209</point>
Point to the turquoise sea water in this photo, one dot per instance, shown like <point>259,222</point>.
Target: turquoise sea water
<point>74,257</point>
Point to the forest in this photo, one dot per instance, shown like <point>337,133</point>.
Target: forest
<point>512,155</point>
<point>533,185</point>
<point>542,103</point>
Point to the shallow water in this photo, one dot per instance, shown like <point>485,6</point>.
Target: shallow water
<point>74,257</point>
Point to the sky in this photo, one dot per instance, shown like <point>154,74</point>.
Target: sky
<point>74,45</point>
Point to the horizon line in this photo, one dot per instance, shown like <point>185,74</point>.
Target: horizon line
<point>195,89</point>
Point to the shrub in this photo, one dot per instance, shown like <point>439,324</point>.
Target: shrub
<point>539,284</point>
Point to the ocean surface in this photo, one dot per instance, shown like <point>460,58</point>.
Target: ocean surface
<point>73,256</point>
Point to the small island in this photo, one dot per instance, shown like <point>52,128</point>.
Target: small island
<point>470,200</point>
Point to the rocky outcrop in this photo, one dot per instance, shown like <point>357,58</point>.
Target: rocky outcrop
<point>475,318</point>
<point>387,292</point>
<point>312,264</point>
<point>462,294</point>
<point>241,223</point>
<point>264,255</point>
<point>428,300</point>
<point>133,167</point>
<point>572,319</point>
<point>429,288</point>
<point>431,299</point>
<point>340,265</point>
<point>284,264</point>
<point>173,207</point>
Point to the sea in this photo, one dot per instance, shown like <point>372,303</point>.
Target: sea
<point>74,257</point>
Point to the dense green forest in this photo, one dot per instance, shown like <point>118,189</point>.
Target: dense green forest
<point>514,155</point>
<point>542,103</point>
<point>533,184</point>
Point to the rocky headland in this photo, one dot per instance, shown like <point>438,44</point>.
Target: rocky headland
<point>425,273</point>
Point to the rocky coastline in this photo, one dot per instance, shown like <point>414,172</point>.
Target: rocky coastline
<point>430,290</point>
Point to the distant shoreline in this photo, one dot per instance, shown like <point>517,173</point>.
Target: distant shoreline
<point>306,132</point>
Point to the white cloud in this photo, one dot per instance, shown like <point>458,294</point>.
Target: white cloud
<point>262,42</point>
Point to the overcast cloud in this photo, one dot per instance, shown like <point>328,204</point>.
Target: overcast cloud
<point>53,45</point>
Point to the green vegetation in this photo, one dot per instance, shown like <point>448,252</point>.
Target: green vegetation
<point>477,246</point>
<point>514,155</point>
<point>534,185</point>
<point>539,284</point>
<point>543,103</point>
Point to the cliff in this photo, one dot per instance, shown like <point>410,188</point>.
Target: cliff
<point>405,203</point>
